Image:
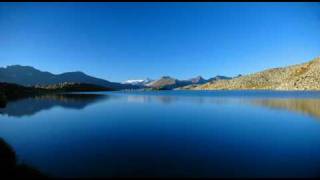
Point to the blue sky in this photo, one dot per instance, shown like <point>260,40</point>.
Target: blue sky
<point>119,41</point>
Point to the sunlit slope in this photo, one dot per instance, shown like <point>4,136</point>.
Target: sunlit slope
<point>304,76</point>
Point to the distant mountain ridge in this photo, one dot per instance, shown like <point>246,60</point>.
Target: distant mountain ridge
<point>168,83</point>
<point>29,76</point>
<point>138,82</point>
<point>198,81</point>
<point>218,78</point>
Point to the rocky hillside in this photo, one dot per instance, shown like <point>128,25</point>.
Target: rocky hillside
<point>304,76</point>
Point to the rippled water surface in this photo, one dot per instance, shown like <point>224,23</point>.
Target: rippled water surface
<point>167,133</point>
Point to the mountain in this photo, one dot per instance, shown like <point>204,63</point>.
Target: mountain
<point>29,76</point>
<point>168,83</point>
<point>304,76</point>
<point>216,78</point>
<point>138,82</point>
<point>198,80</point>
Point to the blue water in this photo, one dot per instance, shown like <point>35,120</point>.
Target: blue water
<point>167,134</point>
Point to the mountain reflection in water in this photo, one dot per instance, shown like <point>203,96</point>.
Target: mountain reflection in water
<point>306,106</point>
<point>168,134</point>
<point>32,105</point>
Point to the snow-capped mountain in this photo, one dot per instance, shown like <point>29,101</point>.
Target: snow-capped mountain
<point>138,82</point>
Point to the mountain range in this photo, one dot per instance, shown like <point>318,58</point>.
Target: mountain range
<point>305,76</point>
<point>138,82</point>
<point>29,76</point>
<point>169,83</point>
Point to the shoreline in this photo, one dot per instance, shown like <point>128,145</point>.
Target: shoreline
<point>11,92</point>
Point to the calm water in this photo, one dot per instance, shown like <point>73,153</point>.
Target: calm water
<point>168,133</point>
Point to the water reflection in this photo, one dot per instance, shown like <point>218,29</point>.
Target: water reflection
<point>149,99</point>
<point>306,106</point>
<point>168,135</point>
<point>32,105</point>
<point>168,99</point>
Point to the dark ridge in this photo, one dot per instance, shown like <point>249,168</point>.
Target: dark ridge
<point>29,76</point>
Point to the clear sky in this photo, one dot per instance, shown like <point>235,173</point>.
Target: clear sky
<point>119,41</point>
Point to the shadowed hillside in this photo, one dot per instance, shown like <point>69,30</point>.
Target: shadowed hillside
<point>29,76</point>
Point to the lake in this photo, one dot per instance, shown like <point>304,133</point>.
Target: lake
<point>167,133</point>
